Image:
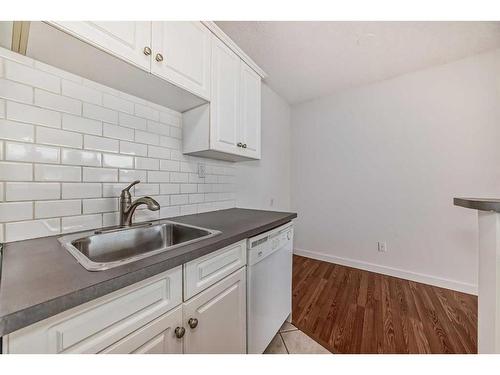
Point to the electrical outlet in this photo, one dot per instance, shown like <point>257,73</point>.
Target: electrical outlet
<point>382,246</point>
<point>202,170</point>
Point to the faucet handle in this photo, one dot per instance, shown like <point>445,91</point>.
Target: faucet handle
<point>129,186</point>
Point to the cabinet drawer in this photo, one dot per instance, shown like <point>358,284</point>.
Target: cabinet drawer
<point>97,324</point>
<point>203,272</point>
<point>157,337</point>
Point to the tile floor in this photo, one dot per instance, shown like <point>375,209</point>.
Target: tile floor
<point>290,340</point>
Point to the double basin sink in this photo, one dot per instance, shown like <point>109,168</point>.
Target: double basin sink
<point>101,250</point>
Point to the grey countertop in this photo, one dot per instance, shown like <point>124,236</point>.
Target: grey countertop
<point>481,204</point>
<point>40,278</point>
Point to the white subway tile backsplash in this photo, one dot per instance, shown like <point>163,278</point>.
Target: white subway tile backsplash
<point>61,173</point>
<point>147,112</point>
<point>176,132</point>
<point>24,191</point>
<point>46,209</point>
<point>15,171</point>
<point>156,176</point>
<point>179,177</point>
<point>31,229</point>
<point>68,146</point>
<point>33,115</point>
<point>196,198</point>
<point>117,161</point>
<point>82,125</point>
<point>100,175</point>
<point>145,137</point>
<point>15,91</point>
<point>92,206</point>
<point>100,144</point>
<point>112,190</point>
<point>78,157</point>
<point>81,190</point>
<point>170,189</point>
<point>118,132</point>
<point>158,128</point>
<point>176,200</point>
<point>170,119</point>
<point>78,91</point>
<point>118,104</point>
<point>80,223</point>
<point>145,215</point>
<point>158,152</point>
<point>189,188</point>
<point>31,153</point>
<point>100,113</point>
<point>32,77</point>
<point>189,209</point>
<point>132,121</point>
<point>146,163</point>
<point>131,148</point>
<point>129,175</point>
<point>57,102</point>
<point>169,165</point>
<point>166,212</point>
<point>110,219</point>
<point>57,137</point>
<point>16,211</point>
<point>169,142</point>
<point>57,72</point>
<point>146,189</point>
<point>16,131</point>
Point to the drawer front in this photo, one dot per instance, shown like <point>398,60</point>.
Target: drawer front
<point>203,272</point>
<point>157,337</point>
<point>97,324</point>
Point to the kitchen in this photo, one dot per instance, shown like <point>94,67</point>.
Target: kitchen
<point>173,187</point>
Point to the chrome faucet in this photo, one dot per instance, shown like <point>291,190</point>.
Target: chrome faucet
<point>127,207</point>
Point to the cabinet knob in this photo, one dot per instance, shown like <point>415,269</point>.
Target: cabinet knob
<point>193,322</point>
<point>159,57</point>
<point>244,145</point>
<point>179,332</point>
<point>239,144</point>
<point>147,51</point>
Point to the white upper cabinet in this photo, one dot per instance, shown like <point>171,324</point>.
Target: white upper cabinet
<point>250,111</point>
<point>229,127</point>
<point>225,103</point>
<point>181,54</point>
<point>128,40</point>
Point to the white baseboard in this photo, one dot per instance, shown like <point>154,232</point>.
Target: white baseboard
<point>390,271</point>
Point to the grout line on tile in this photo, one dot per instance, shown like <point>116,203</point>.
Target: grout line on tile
<point>284,343</point>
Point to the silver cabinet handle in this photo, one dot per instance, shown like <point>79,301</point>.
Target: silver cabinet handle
<point>159,57</point>
<point>193,323</point>
<point>239,144</point>
<point>147,51</point>
<point>179,332</point>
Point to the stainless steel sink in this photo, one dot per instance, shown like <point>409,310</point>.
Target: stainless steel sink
<point>104,249</point>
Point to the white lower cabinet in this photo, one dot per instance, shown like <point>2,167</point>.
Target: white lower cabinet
<point>151,317</point>
<point>218,318</point>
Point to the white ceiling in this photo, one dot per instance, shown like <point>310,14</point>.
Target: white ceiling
<point>306,60</point>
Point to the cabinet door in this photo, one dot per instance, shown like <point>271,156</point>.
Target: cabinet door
<point>126,39</point>
<point>221,314</point>
<point>185,48</point>
<point>225,102</point>
<point>250,111</point>
<point>157,337</point>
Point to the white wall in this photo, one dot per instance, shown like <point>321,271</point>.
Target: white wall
<point>265,184</point>
<point>69,145</point>
<point>383,163</point>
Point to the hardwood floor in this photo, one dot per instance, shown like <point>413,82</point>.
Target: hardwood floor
<point>353,311</point>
